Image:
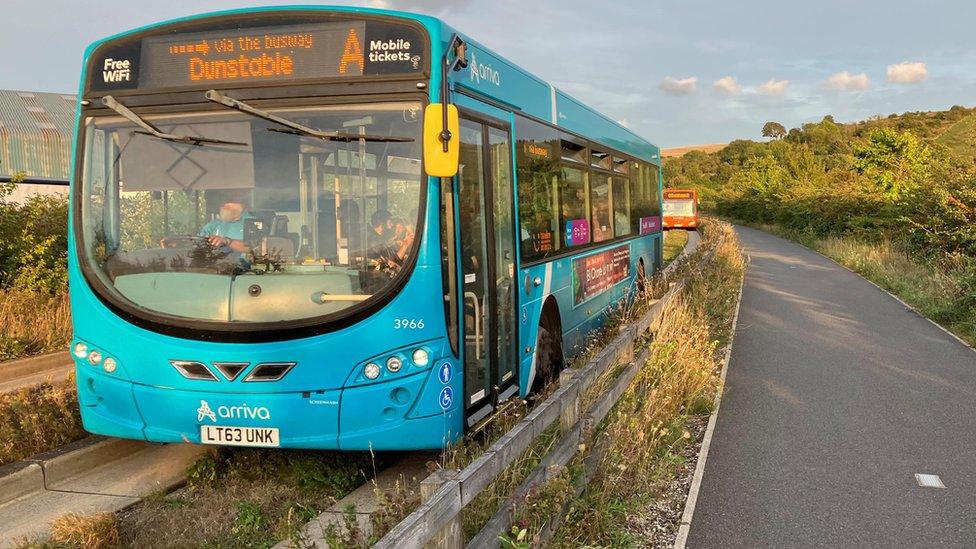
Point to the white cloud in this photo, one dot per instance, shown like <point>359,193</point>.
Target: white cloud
<point>727,85</point>
<point>679,86</point>
<point>907,72</point>
<point>847,81</point>
<point>773,86</point>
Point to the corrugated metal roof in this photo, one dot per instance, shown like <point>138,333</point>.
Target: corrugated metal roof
<point>35,134</point>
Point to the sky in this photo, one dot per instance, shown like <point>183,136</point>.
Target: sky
<point>677,72</point>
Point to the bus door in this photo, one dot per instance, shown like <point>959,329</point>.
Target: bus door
<point>487,262</point>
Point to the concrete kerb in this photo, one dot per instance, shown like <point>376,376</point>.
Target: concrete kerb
<point>19,479</point>
<point>44,470</point>
<point>14,369</point>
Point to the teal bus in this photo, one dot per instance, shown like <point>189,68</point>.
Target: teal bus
<point>333,227</point>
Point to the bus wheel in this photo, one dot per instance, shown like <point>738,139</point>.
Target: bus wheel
<point>641,278</point>
<point>548,357</point>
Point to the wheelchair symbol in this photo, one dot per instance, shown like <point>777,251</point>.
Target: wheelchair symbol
<point>446,398</point>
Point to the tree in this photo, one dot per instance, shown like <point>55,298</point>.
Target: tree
<point>774,130</point>
<point>896,162</point>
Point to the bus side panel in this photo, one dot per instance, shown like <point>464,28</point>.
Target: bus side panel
<point>578,320</point>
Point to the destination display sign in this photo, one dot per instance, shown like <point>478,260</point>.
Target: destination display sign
<point>677,195</point>
<point>260,54</point>
<point>597,273</point>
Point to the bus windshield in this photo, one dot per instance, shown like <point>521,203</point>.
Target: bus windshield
<point>680,207</point>
<point>257,223</point>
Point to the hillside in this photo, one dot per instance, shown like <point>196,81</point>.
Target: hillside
<point>909,178</point>
<point>954,128</point>
<point>680,151</point>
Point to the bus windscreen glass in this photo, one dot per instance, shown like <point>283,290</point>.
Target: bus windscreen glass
<point>266,225</point>
<point>679,208</point>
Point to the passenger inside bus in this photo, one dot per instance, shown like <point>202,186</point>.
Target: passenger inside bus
<point>601,219</point>
<point>392,240</point>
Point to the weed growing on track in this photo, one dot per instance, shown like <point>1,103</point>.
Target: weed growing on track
<point>33,323</point>
<point>643,439</point>
<point>99,531</point>
<point>39,418</point>
<point>239,497</point>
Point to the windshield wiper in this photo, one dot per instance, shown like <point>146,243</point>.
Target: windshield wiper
<point>295,127</point>
<point>113,104</point>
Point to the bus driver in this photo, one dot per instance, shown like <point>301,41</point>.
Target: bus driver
<point>226,230</point>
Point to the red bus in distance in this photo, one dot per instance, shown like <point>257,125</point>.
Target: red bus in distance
<point>680,209</point>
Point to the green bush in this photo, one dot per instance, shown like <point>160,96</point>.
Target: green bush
<point>881,179</point>
<point>33,242</point>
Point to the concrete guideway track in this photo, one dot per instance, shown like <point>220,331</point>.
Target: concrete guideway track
<point>90,476</point>
<point>837,395</point>
<point>27,372</point>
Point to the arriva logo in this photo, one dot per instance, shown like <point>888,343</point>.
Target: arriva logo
<point>205,411</point>
<point>232,412</point>
<point>481,72</point>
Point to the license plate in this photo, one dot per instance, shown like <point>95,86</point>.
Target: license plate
<point>240,436</point>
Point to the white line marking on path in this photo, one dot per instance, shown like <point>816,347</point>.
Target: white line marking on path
<point>929,481</point>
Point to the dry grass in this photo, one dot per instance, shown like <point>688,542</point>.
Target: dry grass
<point>32,323</point>
<point>681,151</point>
<point>643,438</point>
<point>89,532</point>
<point>39,418</point>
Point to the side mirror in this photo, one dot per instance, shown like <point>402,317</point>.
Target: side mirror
<point>441,161</point>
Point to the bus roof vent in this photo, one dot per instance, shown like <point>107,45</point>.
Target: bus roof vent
<point>192,369</point>
<point>269,371</point>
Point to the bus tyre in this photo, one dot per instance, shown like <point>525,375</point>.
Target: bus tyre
<point>548,359</point>
<point>641,278</point>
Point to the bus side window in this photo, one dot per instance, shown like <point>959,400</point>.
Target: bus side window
<point>600,202</point>
<point>654,189</point>
<point>538,177</point>
<point>637,197</point>
<point>620,194</point>
<point>574,206</point>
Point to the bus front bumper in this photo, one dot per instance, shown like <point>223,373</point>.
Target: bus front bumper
<point>392,415</point>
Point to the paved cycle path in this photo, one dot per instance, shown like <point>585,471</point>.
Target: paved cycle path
<point>836,396</point>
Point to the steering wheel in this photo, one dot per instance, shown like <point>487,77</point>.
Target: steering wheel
<point>186,240</point>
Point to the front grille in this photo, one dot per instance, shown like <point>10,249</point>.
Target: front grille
<point>230,370</point>
<point>192,369</point>
<point>269,371</point>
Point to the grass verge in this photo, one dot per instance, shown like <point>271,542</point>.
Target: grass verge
<point>674,242</point>
<point>644,441</point>
<point>39,418</point>
<point>32,323</point>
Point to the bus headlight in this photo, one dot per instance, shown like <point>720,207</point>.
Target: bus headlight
<point>81,350</point>
<point>393,364</point>
<point>420,357</point>
<point>94,357</point>
<point>372,370</point>
<point>109,365</point>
